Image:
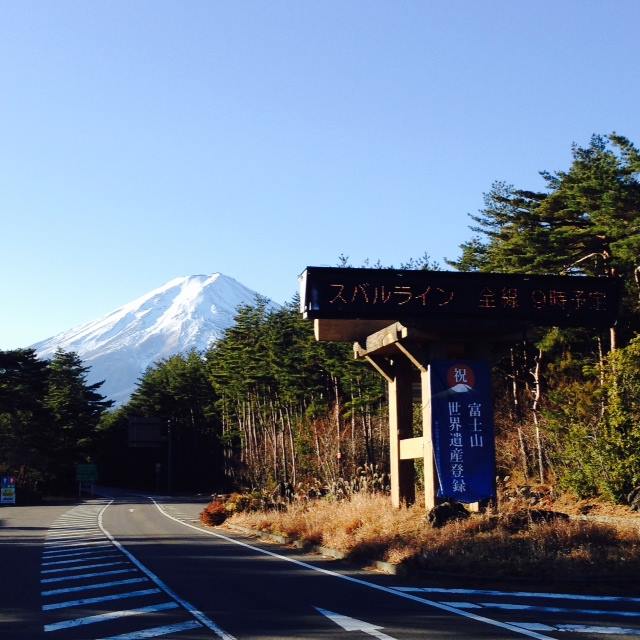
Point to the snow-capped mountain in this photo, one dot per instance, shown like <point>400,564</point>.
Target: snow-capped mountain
<point>186,313</point>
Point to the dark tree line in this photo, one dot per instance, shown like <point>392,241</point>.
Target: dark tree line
<point>265,405</point>
<point>49,416</point>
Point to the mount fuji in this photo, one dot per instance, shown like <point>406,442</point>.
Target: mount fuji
<point>186,313</point>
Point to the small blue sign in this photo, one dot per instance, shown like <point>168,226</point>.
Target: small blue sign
<point>8,490</point>
<point>462,419</point>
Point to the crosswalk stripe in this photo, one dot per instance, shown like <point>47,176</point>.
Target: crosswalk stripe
<point>610,631</point>
<point>114,596</point>
<point>82,576</point>
<point>73,533</point>
<point>580,628</point>
<point>71,545</point>
<point>60,553</point>
<point>461,605</point>
<point>589,612</point>
<point>155,632</point>
<point>90,587</point>
<point>58,562</point>
<point>101,617</point>
<point>519,594</point>
<point>84,566</point>
<point>71,542</point>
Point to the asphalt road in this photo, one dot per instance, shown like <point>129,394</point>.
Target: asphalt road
<point>129,567</point>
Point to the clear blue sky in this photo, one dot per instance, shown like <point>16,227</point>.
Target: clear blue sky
<point>144,140</point>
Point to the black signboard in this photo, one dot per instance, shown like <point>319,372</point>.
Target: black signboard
<point>147,432</point>
<point>443,296</point>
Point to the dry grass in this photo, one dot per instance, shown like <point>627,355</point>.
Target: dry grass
<point>367,527</point>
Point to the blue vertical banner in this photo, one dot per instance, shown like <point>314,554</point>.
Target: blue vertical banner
<point>462,424</point>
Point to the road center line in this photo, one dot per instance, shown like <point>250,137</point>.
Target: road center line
<point>196,613</point>
<point>360,581</point>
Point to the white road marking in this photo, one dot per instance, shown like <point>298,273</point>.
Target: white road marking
<point>75,545</point>
<point>67,521</point>
<point>534,626</point>
<point>71,536</point>
<point>580,628</point>
<point>66,531</point>
<point>97,585</point>
<point>51,546</point>
<point>196,613</point>
<point>101,617</point>
<point>62,553</point>
<point>353,624</point>
<point>82,576</point>
<point>610,631</point>
<point>84,566</point>
<point>58,562</point>
<point>154,632</point>
<point>589,612</point>
<point>114,596</point>
<point>69,542</point>
<point>360,581</point>
<point>519,594</point>
<point>462,605</point>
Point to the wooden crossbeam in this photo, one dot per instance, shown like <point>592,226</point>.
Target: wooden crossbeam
<point>411,448</point>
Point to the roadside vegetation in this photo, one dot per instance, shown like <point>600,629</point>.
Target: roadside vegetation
<point>269,409</point>
<point>518,541</point>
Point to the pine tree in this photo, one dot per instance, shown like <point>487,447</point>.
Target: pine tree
<point>75,407</point>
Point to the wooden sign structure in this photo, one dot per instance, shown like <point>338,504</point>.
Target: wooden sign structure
<point>402,320</point>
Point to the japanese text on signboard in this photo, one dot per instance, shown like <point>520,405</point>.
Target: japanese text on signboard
<point>370,293</point>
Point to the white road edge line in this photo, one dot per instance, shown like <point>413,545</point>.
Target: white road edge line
<point>365,583</point>
<point>197,614</point>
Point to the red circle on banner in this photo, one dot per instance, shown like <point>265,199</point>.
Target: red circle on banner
<point>460,374</point>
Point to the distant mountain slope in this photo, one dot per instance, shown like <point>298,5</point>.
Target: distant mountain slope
<point>186,313</point>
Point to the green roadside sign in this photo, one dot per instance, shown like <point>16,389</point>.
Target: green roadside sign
<point>86,472</point>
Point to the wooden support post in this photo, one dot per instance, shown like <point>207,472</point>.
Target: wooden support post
<point>400,415</point>
<point>430,472</point>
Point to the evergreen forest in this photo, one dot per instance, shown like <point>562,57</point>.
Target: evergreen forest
<point>268,407</point>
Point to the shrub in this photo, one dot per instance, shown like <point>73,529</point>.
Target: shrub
<point>214,513</point>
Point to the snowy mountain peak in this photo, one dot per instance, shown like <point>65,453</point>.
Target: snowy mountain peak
<point>186,313</point>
